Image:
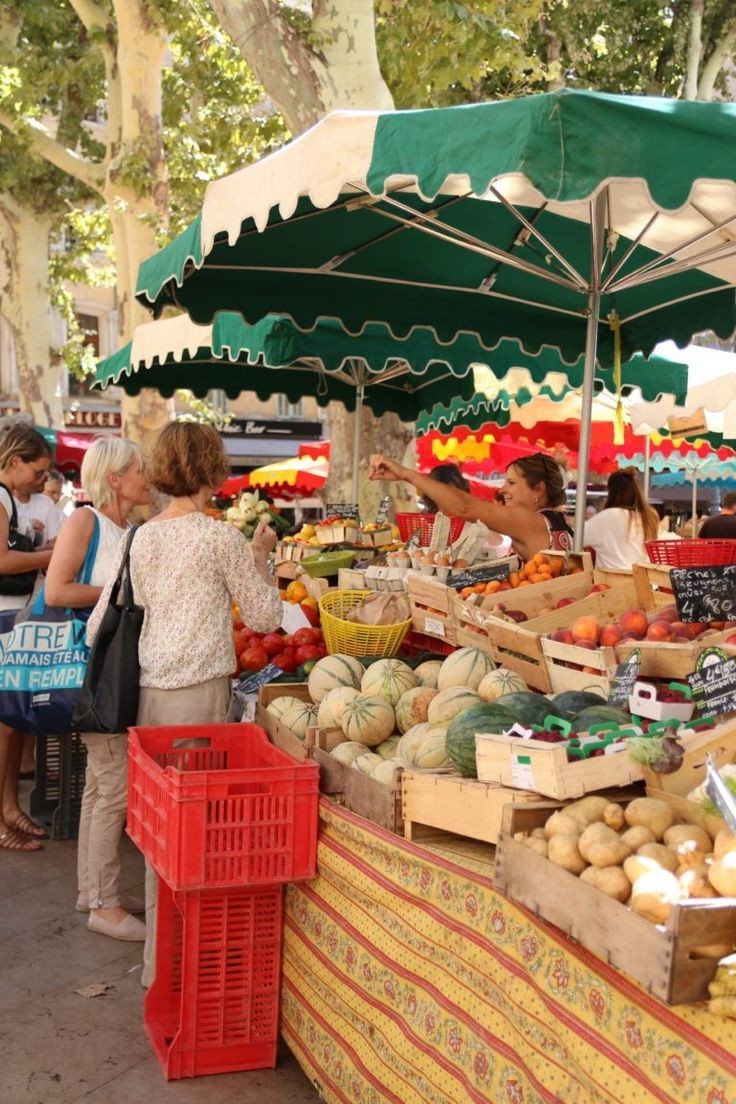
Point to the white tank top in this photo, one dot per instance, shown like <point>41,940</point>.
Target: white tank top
<point>106,558</point>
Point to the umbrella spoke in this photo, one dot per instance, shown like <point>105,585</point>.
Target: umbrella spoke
<point>659,263</point>
<point>531,227</point>
<point>679,299</point>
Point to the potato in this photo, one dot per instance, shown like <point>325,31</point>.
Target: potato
<point>608,879</point>
<point>601,846</point>
<point>687,833</point>
<point>711,950</point>
<point>667,859</point>
<point>725,841</point>
<point>636,837</point>
<point>652,813</point>
<point>538,833</point>
<point>534,843</point>
<point>722,874</point>
<point>654,894</point>
<point>694,882</point>
<point>560,824</point>
<point>563,851</point>
<point>636,865</point>
<point>613,816</point>
<point>587,810</point>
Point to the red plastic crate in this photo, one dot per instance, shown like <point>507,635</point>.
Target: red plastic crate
<point>695,552</point>
<point>422,642</point>
<point>217,806</point>
<point>214,1004</point>
<point>409,524</point>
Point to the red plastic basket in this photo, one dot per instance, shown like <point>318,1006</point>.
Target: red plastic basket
<point>409,524</point>
<point>214,1004</point>
<point>217,806</point>
<point>696,552</point>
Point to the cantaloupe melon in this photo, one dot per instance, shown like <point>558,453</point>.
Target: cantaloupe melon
<point>368,719</point>
<point>449,703</point>
<point>431,752</point>
<point>499,682</point>
<point>387,750</point>
<point>410,740</point>
<point>428,672</point>
<point>389,678</point>
<point>332,705</point>
<point>346,752</point>
<point>367,762</point>
<point>332,671</point>
<point>299,718</point>
<point>279,706</point>
<point>465,667</point>
<point>385,772</point>
<point>412,707</point>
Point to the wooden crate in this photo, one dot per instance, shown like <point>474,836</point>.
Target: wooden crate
<point>432,607</point>
<point>720,741</point>
<point>463,806</point>
<point>280,735</point>
<point>360,793</point>
<point>544,768</point>
<point>658,957</point>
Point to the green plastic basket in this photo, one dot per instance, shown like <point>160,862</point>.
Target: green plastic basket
<point>327,563</point>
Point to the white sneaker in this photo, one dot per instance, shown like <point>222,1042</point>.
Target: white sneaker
<point>130,929</point>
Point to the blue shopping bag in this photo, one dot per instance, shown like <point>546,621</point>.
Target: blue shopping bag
<point>43,660</point>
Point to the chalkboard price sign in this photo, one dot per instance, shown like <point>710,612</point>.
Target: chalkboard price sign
<point>625,675</point>
<point>713,683</point>
<point>705,593</point>
<point>348,511</point>
<point>482,575</point>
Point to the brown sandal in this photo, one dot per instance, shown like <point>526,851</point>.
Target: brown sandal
<point>12,841</point>
<point>27,827</point>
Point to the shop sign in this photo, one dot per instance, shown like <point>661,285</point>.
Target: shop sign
<point>93,419</point>
<point>293,428</point>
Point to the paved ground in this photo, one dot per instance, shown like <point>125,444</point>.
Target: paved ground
<point>58,1047</point>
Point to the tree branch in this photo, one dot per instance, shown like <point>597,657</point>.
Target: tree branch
<point>721,53</point>
<point>94,18</point>
<point>55,153</point>
<point>694,50</point>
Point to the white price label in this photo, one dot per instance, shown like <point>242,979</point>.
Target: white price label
<point>434,627</point>
<point>522,775</point>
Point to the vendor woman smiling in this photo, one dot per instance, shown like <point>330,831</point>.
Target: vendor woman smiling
<point>532,494</point>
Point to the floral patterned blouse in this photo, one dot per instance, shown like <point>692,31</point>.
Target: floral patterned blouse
<point>186,573</point>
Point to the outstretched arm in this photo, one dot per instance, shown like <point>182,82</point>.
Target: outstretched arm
<point>514,521</point>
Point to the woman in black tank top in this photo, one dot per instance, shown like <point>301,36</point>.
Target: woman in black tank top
<point>527,509</point>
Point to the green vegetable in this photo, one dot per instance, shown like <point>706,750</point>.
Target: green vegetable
<point>662,754</point>
<point>708,806</point>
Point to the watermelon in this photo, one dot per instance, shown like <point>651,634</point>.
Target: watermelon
<point>464,667</point>
<point>368,719</point>
<point>449,703</point>
<point>389,678</point>
<point>462,729</point>
<point>499,682</point>
<point>412,707</point>
<point>332,671</point>
<point>600,714</point>
<point>571,702</point>
<point>528,708</point>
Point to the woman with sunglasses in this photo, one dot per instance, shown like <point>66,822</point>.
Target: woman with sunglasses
<point>24,459</point>
<point>528,511</point>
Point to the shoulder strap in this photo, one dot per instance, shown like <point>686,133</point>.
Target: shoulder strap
<point>85,572</point>
<point>124,574</point>
<point>13,512</point>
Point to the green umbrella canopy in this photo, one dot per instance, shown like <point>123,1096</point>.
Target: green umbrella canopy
<point>477,219</point>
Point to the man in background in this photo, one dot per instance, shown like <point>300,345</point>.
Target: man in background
<point>723,524</point>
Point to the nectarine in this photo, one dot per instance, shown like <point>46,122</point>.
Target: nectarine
<point>659,630</point>
<point>610,636</point>
<point>564,602</point>
<point>586,628</point>
<point>563,636</point>
<point>634,621</point>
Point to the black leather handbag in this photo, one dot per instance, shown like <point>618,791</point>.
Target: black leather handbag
<point>24,582</point>
<point>108,700</point>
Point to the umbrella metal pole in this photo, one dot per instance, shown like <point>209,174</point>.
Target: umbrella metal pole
<point>694,529</point>
<point>586,417</point>
<point>647,458</point>
<point>359,396</point>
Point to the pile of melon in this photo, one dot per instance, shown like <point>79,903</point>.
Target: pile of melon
<point>640,855</point>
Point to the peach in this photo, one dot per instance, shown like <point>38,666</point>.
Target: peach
<point>659,630</point>
<point>563,636</point>
<point>587,644</point>
<point>730,639</point>
<point>635,621</point>
<point>611,635</point>
<point>598,588</point>
<point>586,628</point>
<point>565,602</point>
<point>666,613</point>
<point>679,628</point>
<point>695,628</point>
<point>682,638</point>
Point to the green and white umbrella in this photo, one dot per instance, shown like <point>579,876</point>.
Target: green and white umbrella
<point>574,220</point>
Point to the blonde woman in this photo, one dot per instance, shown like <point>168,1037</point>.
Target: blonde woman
<point>24,459</point>
<point>617,534</point>
<point>113,474</point>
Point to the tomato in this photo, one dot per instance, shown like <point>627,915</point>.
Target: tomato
<point>286,661</point>
<point>273,643</point>
<point>238,625</point>
<point>304,636</point>
<point>287,643</point>
<point>322,649</point>
<point>312,615</point>
<point>307,651</point>
<point>253,658</point>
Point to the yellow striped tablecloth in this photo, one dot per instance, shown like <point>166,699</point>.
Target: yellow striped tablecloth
<point>408,979</point>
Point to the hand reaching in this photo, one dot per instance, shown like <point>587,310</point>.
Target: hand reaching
<point>264,539</point>
<point>384,468</point>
